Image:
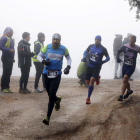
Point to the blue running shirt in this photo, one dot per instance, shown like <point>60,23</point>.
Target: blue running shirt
<point>55,57</point>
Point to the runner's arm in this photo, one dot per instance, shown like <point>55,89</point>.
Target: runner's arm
<point>106,55</point>
<point>119,51</point>
<point>41,55</point>
<point>68,57</point>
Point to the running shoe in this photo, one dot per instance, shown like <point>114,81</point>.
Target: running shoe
<point>57,104</point>
<point>84,85</point>
<point>116,77</point>
<point>127,94</point>
<point>88,101</point>
<point>120,77</point>
<point>120,98</point>
<point>5,91</point>
<point>98,82</point>
<point>131,79</point>
<point>9,90</point>
<point>80,82</point>
<point>46,121</point>
<point>37,90</point>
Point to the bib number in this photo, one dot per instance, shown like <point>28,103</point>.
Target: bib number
<point>52,73</point>
<point>93,57</point>
<point>128,61</point>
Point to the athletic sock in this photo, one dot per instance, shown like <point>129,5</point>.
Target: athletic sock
<point>90,89</point>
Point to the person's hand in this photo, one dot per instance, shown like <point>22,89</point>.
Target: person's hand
<point>46,62</point>
<point>67,69</point>
<point>84,60</point>
<point>119,60</point>
<point>13,60</point>
<point>32,54</point>
<point>12,51</point>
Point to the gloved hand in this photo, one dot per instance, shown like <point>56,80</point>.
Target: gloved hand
<point>67,69</point>
<point>46,62</point>
<point>119,60</point>
<point>84,60</point>
<point>32,54</point>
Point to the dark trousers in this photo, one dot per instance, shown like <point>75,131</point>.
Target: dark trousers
<point>7,71</point>
<point>82,77</point>
<point>52,85</point>
<point>39,69</point>
<point>25,70</point>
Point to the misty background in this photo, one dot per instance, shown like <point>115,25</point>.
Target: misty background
<point>77,21</point>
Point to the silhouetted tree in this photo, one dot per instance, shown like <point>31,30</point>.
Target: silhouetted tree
<point>135,4</point>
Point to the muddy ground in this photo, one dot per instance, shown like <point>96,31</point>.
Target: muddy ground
<point>105,119</point>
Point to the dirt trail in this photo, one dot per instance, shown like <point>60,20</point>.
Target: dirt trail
<point>105,119</point>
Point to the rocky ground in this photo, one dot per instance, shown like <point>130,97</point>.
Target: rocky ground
<point>105,119</point>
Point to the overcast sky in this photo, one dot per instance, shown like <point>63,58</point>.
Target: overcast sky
<point>78,22</point>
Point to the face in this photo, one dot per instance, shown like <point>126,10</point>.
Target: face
<point>10,34</point>
<point>132,42</point>
<point>27,38</point>
<point>97,41</point>
<point>42,39</point>
<point>55,42</point>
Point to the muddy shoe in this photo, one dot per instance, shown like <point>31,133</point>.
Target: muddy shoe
<point>9,90</point>
<point>57,104</point>
<point>116,77</point>
<point>88,101</point>
<point>46,121</point>
<point>27,91</point>
<point>80,82</point>
<point>120,98</point>
<point>127,94</point>
<point>22,91</point>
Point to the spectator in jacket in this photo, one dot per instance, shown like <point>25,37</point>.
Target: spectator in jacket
<point>8,52</point>
<point>116,46</point>
<point>24,61</point>
<point>38,46</point>
<point>126,40</point>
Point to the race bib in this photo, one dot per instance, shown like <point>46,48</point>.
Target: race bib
<point>52,73</point>
<point>93,57</point>
<point>128,61</point>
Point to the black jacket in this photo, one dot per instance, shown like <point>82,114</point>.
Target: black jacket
<point>24,54</point>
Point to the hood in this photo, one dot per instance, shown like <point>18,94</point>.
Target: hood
<point>118,35</point>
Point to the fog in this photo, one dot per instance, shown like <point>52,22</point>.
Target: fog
<point>78,22</point>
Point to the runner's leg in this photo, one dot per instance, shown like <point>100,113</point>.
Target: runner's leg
<point>52,94</point>
<point>125,85</point>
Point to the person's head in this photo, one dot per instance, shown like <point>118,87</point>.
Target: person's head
<point>26,36</point>
<point>128,35</point>
<point>8,32</point>
<point>98,39</point>
<point>132,40</point>
<point>56,38</point>
<point>119,36</point>
<point>41,37</point>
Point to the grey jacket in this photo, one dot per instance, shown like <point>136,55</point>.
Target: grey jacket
<point>125,41</point>
<point>117,45</point>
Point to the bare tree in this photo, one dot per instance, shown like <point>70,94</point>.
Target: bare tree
<point>135,4</point>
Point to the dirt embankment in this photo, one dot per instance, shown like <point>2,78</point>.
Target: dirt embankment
<point>105,119</point>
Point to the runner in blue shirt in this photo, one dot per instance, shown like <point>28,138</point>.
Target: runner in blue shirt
<point>96,52</point>
<point>54,53</point>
